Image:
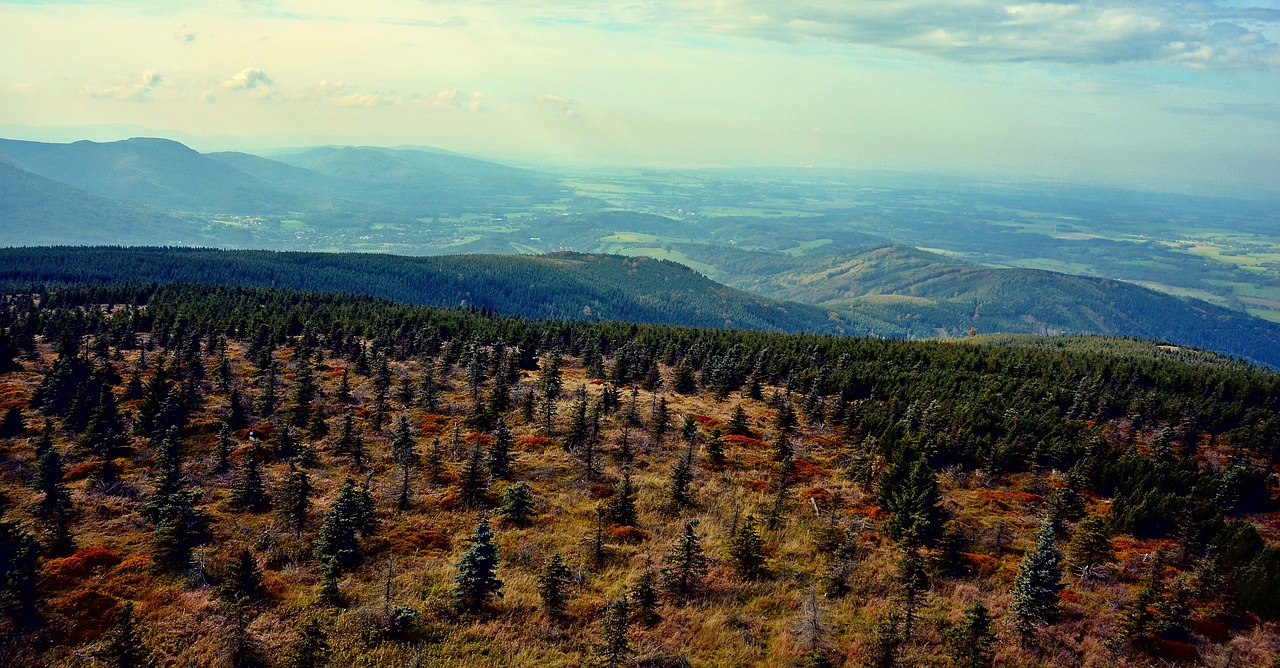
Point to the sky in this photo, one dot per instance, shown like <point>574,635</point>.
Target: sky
<point>1179,96</point>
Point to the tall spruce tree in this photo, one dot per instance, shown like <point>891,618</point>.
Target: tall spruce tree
<point>294,505</point>
<point>746,548</point>
<point>476,580</point>
<point>684,571</point>
<point>249,492</point>
<point>517,504</point>
<point>553,584</point>
<point>1036,586</point>
<point>124,647</point>
<point>971,643</point>
<point>614,648</point>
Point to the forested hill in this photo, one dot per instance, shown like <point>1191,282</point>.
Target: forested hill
<point>927,294</point>
<point>196,475</point>
<point>556,286</point>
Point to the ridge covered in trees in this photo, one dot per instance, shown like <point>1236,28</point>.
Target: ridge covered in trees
<point>197,474</point>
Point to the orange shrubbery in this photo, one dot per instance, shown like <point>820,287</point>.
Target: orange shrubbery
<point>625,534</point>
<point>744,441</point>
<point>64,572</point>
<point>90,613</point>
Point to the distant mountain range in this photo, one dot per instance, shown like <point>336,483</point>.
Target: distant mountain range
<point>156,191</point>
<point>169,175</point>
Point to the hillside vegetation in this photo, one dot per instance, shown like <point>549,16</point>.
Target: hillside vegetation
<point>557,286</point>
<point>212,475</point>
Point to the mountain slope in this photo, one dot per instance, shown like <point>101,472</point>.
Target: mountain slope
<point>37,210</point>
<point>929,292</point>
<point>157,172</point>
<point>561,286</point>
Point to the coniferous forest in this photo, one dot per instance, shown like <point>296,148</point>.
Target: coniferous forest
<point>201,475</point>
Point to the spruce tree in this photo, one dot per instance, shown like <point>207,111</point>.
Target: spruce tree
<point>124,647</point>
<point>1090,550</point>
<point>553,583</point>
<point>473,484</point>
<point>715,450</point>
<point>679,496</point>
<point>614,648</point>
<point>738,424</point>
<point>347,518</point>
<point>19,573</point>
<point>912,587</point>
<point>971,643</point>
<point>498,459</point>
<point>517,504</point>
<point>350,443</point>
<point>56,499</point>
<point>644,594</point>
<point>222,449</point>
<point>659,422</point>
<point>294,506</point>
<point>249,492</point>
<point>12,424</point>
<point>476,581</point>
<point>746,548</point>
<point>1036,586</point>
<point>310,649</point>
<point>242,582</point>
<point>405,453</point>
<point>684,571</point>
<point>622,507</point>
<point>915,508</point>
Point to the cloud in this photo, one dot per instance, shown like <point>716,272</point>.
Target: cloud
<point>476,103</point>
<point>185,34</point>
<point>21,87</point>
<point>339,94</point>
<point>208,97</point>
<point>1204,35</point>
<point>136,92</point>
<point>252,80</point>
<point>550,97</point>
<point>1261,111</point>
<point>450,22</point>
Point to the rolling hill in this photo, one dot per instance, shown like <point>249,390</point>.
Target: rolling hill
<point>169,175</point>
<point>36,210</point>
<point>557,286</point>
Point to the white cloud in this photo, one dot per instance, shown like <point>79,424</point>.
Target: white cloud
<point>185,34</point>
<point>20,88</point>
<point>550,97</point>
<point>1200,35</point>
<point>476,103</point>
<point>208,97</point>
<point>251,79</point>
<point>136,92</point>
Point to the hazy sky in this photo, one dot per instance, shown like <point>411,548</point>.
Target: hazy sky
<point>1170,95</point>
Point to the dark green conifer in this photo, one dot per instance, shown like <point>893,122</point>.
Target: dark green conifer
<point>746,548</point>
<point>622,507</point>
<point>476,581</point>
<point>1036,586</point>
<point>684,571</point>
<point>971,643</point>
<point>242,582</point>
<point>614,648</point>
<point>249,492</point>
<point>644,594</point>
<point>404,452</point>
<point>124,647</point>
<point>553,584</point>
<point>310,649</point>
<point>498,459</point>
<point>517,504</point>
<point>294,506</point>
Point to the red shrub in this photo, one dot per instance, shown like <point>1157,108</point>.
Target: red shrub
<point>535,443</point>
<point>64,572</point>
<point>744,441</point>
<point>598,492</point>
<point>805,471</point>
<point>625,534</point>
<point>81,471</point>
